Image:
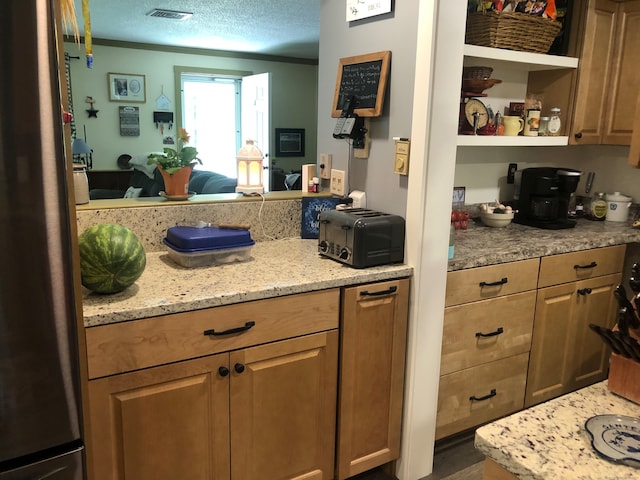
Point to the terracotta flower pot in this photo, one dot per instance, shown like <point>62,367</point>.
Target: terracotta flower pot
<point>176,184</point>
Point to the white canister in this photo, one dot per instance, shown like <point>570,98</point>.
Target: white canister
<point>618,207</point>
<point>80,184</point>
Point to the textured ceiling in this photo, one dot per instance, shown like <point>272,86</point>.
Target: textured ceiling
<point>275,27</point>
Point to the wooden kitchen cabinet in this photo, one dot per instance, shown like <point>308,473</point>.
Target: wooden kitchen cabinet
<point>261,408</point>
<point>372,359</point>
<point>485,344</point>
<point>565,354</point>
<point>608,73</point>
<point>598,99</point>
<point>162,423</point>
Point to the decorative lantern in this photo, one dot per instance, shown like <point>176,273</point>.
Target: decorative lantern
<point>249,160</point>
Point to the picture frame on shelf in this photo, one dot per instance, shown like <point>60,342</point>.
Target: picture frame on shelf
<point>126,87</point>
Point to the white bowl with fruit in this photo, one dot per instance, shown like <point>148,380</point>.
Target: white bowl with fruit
<point>496,215</point>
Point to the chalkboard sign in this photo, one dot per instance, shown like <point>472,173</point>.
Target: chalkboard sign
<point>363,77</point>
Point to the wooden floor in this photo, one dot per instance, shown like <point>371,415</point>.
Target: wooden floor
<point>454,459</point>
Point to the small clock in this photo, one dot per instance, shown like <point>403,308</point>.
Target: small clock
<point>476,113</point>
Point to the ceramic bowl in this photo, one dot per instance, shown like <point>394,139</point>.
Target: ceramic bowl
<point>496,219</point>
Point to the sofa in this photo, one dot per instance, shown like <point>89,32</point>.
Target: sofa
<point>146,181</point>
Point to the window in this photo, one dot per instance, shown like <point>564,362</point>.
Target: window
<point>211,115</point>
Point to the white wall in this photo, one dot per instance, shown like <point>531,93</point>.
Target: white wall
<point>483,170</point>
<point>294,97</point>
<point>396,32</point>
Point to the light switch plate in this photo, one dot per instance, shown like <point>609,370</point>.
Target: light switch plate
<point>325,166</point>
<point>337,186</point>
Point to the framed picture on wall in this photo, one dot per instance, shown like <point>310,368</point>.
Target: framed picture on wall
<point>289,142</point>
<point>126,87</point>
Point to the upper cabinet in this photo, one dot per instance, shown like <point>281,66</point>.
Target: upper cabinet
<point>595,86</point>
<point>608,76</point>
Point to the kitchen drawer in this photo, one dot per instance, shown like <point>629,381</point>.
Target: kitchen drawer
<point>563,268</point>
<point>476,283</point>
<point>128,346</point>
<point>503,380</point>
<point>487,330</point>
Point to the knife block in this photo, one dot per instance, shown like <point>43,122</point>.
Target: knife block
<point>624,377</point>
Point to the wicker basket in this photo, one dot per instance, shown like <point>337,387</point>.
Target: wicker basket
<point>513,31</point>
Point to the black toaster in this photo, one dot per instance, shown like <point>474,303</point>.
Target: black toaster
<point>361,238</point>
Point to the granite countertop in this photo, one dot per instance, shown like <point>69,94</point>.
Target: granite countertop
<point>549,440</point>
<point>479,245</point>
<point>276,268</point>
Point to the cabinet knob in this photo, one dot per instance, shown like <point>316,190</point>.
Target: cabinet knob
<point>238,367</point>
<point>223,371</point>
<point>578,135</point>
<point>584,291</point>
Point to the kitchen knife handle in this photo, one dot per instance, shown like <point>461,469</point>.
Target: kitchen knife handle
<point>493,284</point>
<point>591,265</point>
<point>492,334</point>
<point>389,291</point>
<point>493,393</point>
<point>231,331</point>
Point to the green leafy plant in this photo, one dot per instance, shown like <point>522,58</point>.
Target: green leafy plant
<point>172,160</point>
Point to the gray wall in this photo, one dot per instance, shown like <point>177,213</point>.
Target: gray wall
<point>397,32</point>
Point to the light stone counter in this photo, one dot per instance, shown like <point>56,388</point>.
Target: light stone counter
<point>276,268</point>
<point>549,441</point>
<point>480,245</point>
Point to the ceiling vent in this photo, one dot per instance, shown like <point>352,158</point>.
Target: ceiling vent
<point>170,14</point>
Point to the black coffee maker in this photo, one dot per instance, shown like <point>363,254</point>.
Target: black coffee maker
<point>542,197</point>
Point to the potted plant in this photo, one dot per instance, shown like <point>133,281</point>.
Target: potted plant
<point>176,165</point>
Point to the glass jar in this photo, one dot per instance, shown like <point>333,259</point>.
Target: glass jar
<point>555,124</point>
<point>543,130</point>
<point>599,207</point>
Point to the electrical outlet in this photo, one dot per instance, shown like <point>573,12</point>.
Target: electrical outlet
<point>325,166</point>
<point>337,182</point>
<point>511,173</point>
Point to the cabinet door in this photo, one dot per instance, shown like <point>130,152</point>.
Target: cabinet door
<point>374,328</point>
<point>608,74</point>
<point>595,73</point>
<point>597,305</point>
<point>625,77</point>
<point>565,353</point>
<point>162,423</point>
<point>283,409</point>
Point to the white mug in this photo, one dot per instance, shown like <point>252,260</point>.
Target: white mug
<point>513,125</point>
<point>532,123</point>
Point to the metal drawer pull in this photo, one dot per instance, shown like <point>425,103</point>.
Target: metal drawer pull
<point>231,331</point>
<point>591,265</point>
<point>493,393</point>
<point>584,291</point>
<point>492,334</point>
<point>381,292</point>
<point>493,284</point>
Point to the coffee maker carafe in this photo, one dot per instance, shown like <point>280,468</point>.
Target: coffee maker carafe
<point>542,197</point>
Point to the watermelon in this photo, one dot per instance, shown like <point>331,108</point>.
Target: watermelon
<point>111,258</point>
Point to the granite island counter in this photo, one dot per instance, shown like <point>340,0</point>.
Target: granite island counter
<point>549,440</point>
<point>480,245</point>
<point>276,268</point>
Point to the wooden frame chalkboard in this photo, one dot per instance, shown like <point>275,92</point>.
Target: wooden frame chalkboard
<point>365,78</point>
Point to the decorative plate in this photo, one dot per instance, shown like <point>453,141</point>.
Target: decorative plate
<point>616,438</point>
<point>177,197</point>
<point>123,161</point>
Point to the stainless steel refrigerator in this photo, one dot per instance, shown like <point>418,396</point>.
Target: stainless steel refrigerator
<point>39,390</point>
